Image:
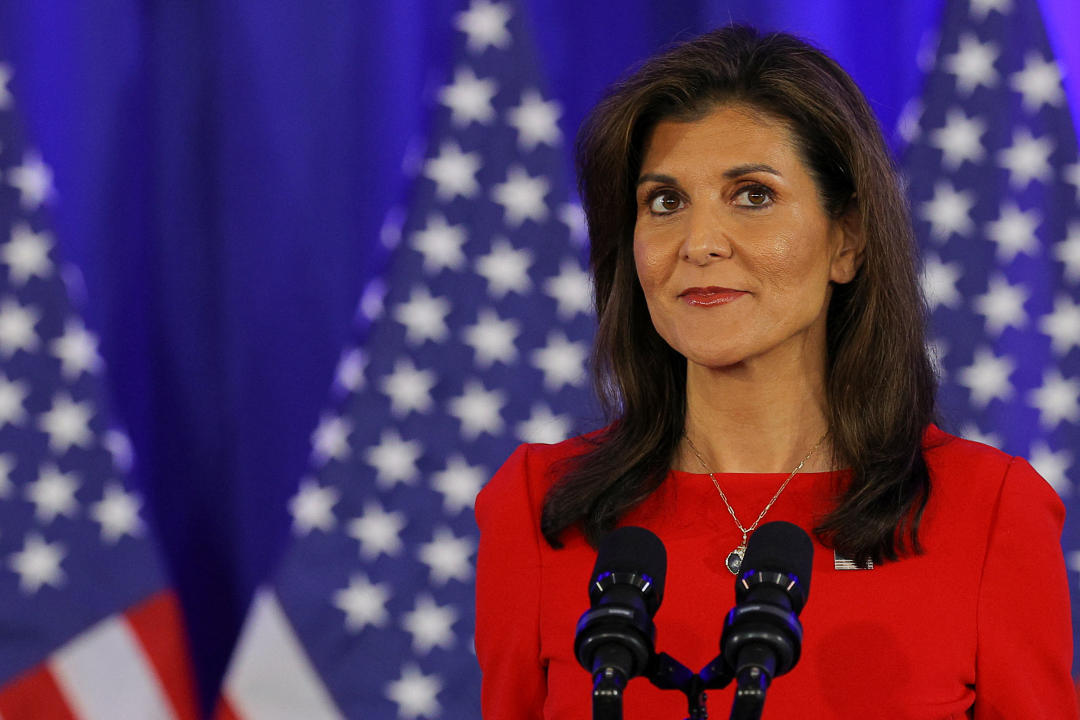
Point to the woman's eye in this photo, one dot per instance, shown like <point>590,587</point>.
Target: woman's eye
<point>664,203</point>
<point>754,196</point>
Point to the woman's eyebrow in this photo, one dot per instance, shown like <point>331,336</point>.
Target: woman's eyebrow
<point>656,177</point>
<point>750,168</point>
<point>730,173</point>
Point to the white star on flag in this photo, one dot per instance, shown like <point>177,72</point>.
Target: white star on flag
<point>938,281</point>
<point>377,531</point>
<point>52,494</point>
<point>485,25</point>
<point>363,603</point>
<point>453,172</point>
<point>76,349</point>
<point>1074,560</point>
<point>371,304</point>
<point>1027,159</point>
<point>1062,325</point>
<point>469,98</point>
<point>430,624</point>
<point>1068,252</point>
<point>440,244</point>
<point>571,289</point>
<point>5,93</point>
<point>415,693</point>
<point>981,8</point>
<point>118,514</point>
<point>33,179</point>
<point>458,483</point>
<point>573,217</point>
<point>408,388</point>
<point>479,410</point>
<point>1014,232</point>
<point>973,64</point>
<point>1071,175</point>
<point>561,361</point>
<point>13,394</point>
<point>38,563</point>
<point>1053,466</point>
<point>1002,305</point>
<point>67,423</point>
<point>522,196</point>
<point>492,339</point>
<point>949,211</point>
<point>330,439</point>
<point>350,369</point>
<point>118,445</point>
<point>505,269</point>
<point>1056,399</point>
<point>543,426</point>
<point>987,377</point>
<point>907,124</point>
<point>424,317</point>
<point>447,557</point>
<point>312,507</point>
<point>17,328</point>
<point>394,459</point>
<point>27,254</point>
<point>959,139</point>
<point>7,464</point>
<point>536,121</point>
<point>971,431</point>
<point>1039,82</point>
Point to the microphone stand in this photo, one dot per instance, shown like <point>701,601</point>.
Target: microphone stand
<point>608,687</point>
<point>667,673</point>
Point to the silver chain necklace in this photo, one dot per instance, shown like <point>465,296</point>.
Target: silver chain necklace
<point>735,557</point>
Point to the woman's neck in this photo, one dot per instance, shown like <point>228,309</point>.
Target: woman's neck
<point>755,417</point>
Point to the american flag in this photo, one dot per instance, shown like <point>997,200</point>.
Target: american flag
<point>89,628</point>
<point>480,344</point>
<point>994,180</point>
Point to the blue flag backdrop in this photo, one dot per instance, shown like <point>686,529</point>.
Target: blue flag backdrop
<point>994,177</point>
<point>223,173</point>
<point>90,627</point>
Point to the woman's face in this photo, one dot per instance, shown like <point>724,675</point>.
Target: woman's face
<point>733,249</point>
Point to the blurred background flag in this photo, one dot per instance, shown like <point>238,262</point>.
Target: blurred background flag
<point>89,627</point>
<point>479,343</point>
<point>994,180</point>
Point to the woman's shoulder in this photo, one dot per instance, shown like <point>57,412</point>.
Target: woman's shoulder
<point>532,468</point>
<point>944,450</point>
<point>540,461</point>
<point>978,471</point>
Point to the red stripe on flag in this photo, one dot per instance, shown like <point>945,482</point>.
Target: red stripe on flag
<point>224,710</point>
<point>158,624</point>
<point>34,695</point>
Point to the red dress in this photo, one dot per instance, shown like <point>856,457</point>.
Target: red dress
<point>977,626</point>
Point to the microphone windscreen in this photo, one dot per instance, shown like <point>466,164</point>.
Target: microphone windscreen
<point>781,547</point>
<point>633,549</point>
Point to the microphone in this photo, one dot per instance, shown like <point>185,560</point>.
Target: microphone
<point>615,637</point>
<point>762,636</point>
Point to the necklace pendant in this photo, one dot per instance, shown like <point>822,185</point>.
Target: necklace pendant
<point>735,558</point>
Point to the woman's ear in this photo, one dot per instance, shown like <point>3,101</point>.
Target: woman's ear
<point>848,253</point>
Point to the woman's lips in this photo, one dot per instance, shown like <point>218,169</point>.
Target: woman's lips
<point>710,295</point>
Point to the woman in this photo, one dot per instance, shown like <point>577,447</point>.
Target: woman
<point>760,350</point>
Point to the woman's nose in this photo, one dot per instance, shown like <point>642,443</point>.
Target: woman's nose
<point>706,239</point>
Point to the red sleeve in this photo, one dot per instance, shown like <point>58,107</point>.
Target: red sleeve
<point>514,682</point>
<point>1024,655</point>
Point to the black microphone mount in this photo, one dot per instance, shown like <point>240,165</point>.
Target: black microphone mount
<point>761,639</point>
<point>762,635</point>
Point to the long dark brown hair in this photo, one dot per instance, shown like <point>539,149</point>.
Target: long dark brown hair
<point>880,384</point>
